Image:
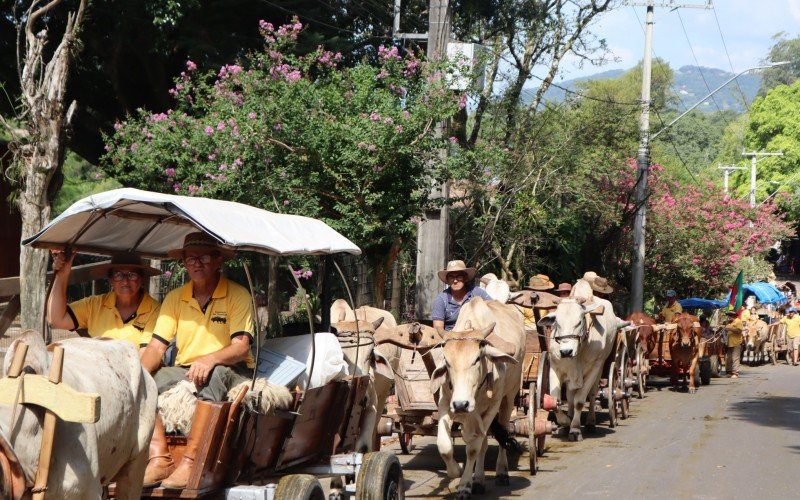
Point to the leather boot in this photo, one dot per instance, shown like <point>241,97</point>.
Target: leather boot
<point>179,478</point>
<point>160,464</point>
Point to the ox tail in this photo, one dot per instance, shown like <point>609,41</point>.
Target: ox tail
<point>503,437</point>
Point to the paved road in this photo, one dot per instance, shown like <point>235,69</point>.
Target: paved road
<point>737,438</point>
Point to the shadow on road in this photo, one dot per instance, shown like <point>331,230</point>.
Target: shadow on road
<point>770,411</point>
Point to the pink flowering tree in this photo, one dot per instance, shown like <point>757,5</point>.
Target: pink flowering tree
<point>698,239</point>
<point>299,134</point>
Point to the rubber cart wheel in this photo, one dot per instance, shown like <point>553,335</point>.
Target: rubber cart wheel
<point>641,378</point>
<point>533,407</point>
<point>300,487</point>
<point>380,477</point>
<point>612,407</point>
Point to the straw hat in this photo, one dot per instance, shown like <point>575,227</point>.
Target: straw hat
<point>589,276</point>
<point>200,240</point>
<point>601,285</point>
<point>455,266</point>
<point>123,260</point>
<point>564,287</point>
<point>540,283</point>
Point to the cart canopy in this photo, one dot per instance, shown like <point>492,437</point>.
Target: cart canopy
<point>766,293</point>
<point>704,304</point>
<point>151,224</point>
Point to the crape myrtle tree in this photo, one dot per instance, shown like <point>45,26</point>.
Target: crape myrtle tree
<point>299,134</point>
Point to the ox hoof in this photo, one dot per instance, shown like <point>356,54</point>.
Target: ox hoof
<point>336,496</point>
<point>590,429</point>
<point>575,436</point>
<point>464,493</point>
<point>478,489</point>
<point>692,390</point>
<point>501,480</point>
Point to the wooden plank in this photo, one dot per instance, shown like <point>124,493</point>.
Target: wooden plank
<point>413,384</point>
<point>48,430</point>
<point>80,274</point>
<point>9,314</point>
<point>67,403</point>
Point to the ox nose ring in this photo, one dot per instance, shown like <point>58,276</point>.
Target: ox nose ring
<point>460,406</point>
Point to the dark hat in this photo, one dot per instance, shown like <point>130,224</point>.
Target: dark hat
<point>600,285</point>
<point>123,260</point>
<point>564,287</point>
<point>200,240</point>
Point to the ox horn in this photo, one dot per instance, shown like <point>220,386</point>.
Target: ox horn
<point>468,325</point>
<point>341,316</point>
<point>377,323</point>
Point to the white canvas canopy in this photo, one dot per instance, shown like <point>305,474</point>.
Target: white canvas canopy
<point>151,224</point>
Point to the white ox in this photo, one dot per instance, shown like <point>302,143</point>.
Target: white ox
<point>87,457</point>
<point>583,332</point>
<point>480,377</point>
<point>378,361</point>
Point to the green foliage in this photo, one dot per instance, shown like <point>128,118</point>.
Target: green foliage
<point>297,134</point>
<point>81,179</point>
<point>785,49</point>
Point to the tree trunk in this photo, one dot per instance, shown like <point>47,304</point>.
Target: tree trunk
<point>397,289</point>
<point>40,155</point>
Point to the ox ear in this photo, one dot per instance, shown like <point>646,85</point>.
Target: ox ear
<point>498,356</point>
<point>547,321</point>
<point>377,323</point>
<point>438,378</point>
<point>595,309</point>
<point>696,324</point>
<point>380,366</point>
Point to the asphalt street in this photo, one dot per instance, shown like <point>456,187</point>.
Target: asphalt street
<point>736,438</point>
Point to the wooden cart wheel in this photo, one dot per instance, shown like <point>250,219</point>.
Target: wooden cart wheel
<point>542,388</point>
<point>624,373</point>
<point>641,379</point>
<point>774,353</point>
<point>380,477</point>
<point>612,408</point>
<point>533,407</point>
<point>300,487</point>
<point>406,444</point>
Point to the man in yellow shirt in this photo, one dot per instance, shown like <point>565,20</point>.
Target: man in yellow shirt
<point>735,339</point>
<point>127,312</point>
<point>792,322</point>
<point>672,309</point>
<point>210,318</point>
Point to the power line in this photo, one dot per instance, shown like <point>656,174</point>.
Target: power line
<point>703,76</point>
<point>725,46</point>
<point>579,94</point>
<point>675,147</point>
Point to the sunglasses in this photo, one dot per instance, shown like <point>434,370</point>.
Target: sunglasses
<point>121,275</point>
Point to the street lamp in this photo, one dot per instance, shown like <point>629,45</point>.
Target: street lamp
<point>643,161</point>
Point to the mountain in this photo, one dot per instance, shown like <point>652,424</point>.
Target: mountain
<point>688,85</point>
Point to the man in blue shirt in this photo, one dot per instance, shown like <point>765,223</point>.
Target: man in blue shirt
<point>460,290</point>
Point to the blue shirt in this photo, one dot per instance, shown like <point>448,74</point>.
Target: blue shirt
<point>446,309</point>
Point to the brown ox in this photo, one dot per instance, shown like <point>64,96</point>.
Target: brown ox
<point>479,379</point>
<point>685,347</point>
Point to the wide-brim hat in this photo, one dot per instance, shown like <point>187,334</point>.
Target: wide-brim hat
<point>200,240</point>
<point>600,285</point>
<point>123,260</point>
<point>564,287</point>
<point>457,266</point>
<point>589,276</point>
<point>671,293</point>
<point>540,283</point>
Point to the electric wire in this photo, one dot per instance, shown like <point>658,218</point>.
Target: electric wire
<point>675,147</point>
<point>725,46</point>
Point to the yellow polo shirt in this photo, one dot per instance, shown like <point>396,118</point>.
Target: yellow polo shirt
<point>669,312</point>
<point>792,325</point>
<point>228,314</point>
<point>99,315</point>
<point>735,336</point>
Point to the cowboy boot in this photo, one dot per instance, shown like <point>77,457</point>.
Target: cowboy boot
<point>160,464</point>
<point>179,478</point>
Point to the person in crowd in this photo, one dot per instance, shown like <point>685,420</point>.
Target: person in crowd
<point>210,318</point>
<point>460,290</point>
<point>601,288</point>
<point>563,290</point>
<point>792,322</point>
<point>671,309</point>
<point>540,283</point>
<point>127,312</point>
<point>735,339</point>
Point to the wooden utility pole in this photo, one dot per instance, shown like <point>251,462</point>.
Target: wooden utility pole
<point>432,234</point>
<point>643,154</point>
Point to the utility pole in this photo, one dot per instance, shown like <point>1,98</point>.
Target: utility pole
<point>726,171</point>
<point>753,160</point>
<point>433,237</point>
<point>643,153</point>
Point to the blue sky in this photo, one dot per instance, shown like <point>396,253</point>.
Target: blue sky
<point>748,27</point>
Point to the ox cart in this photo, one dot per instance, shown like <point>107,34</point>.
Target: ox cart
<point>316,436</point>
<point>776,343</point>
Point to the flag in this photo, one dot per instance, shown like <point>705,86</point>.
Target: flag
<point>737,293</point>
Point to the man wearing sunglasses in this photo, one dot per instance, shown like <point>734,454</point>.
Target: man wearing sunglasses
<point>210,320</point>
<point>127,312</point>
<point>460,289</point>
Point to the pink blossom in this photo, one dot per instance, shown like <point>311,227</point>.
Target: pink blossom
<point>221,126</point>
<point>278,126</point>
<point>237,162</point>
<point>399,129</point>
<point>453,139</point>
<point>212,157</point>
<point>285,202</point>
<point>209,130</point>
<point>176,187</point>
<point>193,189</point>
<point>462,101</point>
<point>167,274</point>
<point>375,116</point>
<point>134,147</point>
<point>223,167</point>
<point>251,115</point>
<point>117,125</point>
<point>170,172</point>
<point>293,76</point>
<point>265,25</point>
<point>191,66</point>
